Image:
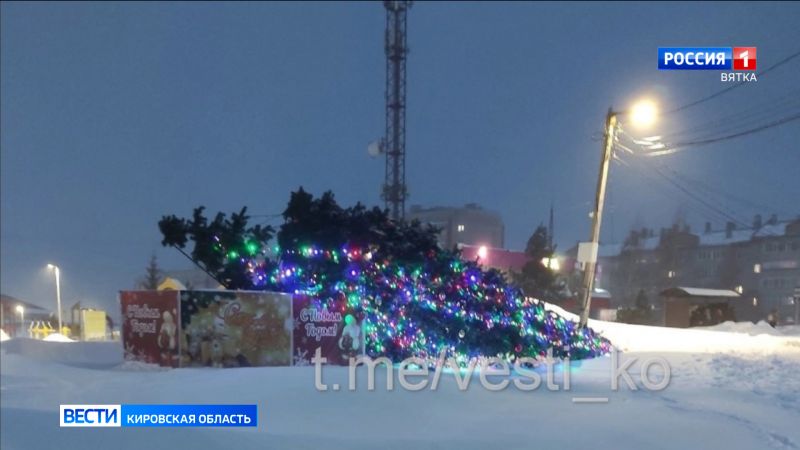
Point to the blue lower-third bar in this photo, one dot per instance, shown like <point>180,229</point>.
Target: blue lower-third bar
<point>189,415</point>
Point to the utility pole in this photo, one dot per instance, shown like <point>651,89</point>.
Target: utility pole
<point>57,272</point>
<point>394,186</point>
<point>597,215</point>
<point>797,305</point>
<point>550,230</point>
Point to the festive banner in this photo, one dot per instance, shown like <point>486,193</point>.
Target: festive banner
<point>149,326</point>
<point>235,329</point>
<point>335,330</point>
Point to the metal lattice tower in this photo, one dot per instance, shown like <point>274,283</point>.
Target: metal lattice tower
<point>394,185</point>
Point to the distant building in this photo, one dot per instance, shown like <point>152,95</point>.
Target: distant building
<point>496,258</point>
<point>761,262</point>
<point>470,225</point>
<point>14,311</point>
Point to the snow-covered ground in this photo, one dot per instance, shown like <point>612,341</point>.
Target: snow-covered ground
<point>57,337</point>
<point>734,386</point>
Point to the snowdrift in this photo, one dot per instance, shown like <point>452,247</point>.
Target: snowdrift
<point>98,355</point>
<point>724,338</point>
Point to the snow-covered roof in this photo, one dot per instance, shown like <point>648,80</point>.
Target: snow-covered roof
<point>609,249</point>
<point>699,292</point>
<point>601,293</point>
<point>496,257</point>
<point>721,237</point>
<point>605,250</point>
<point>744,234</point>
<point>8,302</point>
<point>768,230</point>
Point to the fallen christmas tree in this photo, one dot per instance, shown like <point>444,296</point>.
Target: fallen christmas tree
<point>415,298</point>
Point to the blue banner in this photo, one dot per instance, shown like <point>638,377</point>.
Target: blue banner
<point>189,415</point>
<point>695,58</point>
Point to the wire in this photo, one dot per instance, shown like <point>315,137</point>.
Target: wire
<point>762,111</point>
<point>697,198</point>
<point>732,87</point>
<point>713,190</point>
<point>709,205</point>
<point>673,148</point>
<point>704,212</point>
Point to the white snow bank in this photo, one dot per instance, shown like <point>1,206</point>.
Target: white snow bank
<point>80,354</point>
<point>790,330</point>
<point>734,338</point>
<point>750,328</point>
<point>138,366</point>
<point>57,337</point>
<point>704,408</point>
<point>3,336</point>
<point>727,400</point>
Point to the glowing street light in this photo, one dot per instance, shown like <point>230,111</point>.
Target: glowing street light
<point>643,114</point>
<point>551,263</point>
<point>57,271</point>
<point>21,311</point>
<point>482,252</point>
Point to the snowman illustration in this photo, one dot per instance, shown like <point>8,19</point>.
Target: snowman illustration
<point>350,341</point>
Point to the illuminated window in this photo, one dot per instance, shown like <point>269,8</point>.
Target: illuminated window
<point>755,301</point>
<point>757,268</point>
<point>671,274</point>
<point>739,289</point>
<point>460,228</point>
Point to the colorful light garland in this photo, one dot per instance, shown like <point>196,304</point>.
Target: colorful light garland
<point>443,304</point>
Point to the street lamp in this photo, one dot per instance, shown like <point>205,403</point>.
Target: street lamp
<point>642,114</point>
<point>21,311</point>
<point>57,271</point>
<point>551,263</point>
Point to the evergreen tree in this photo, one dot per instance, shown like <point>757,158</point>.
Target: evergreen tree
<point>415,298</point>
<point>640,314</point>
<point>153,274</point>
<point>536,279</point>
<point>642,302</point>
<point>222,247</point>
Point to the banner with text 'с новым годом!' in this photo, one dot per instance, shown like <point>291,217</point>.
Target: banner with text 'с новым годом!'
<point>150,331</point>
<point>334,328</point>
<point>236,329</point>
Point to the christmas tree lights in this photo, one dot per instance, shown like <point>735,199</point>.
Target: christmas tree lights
<point>442,305</point>
<point>413,297</point>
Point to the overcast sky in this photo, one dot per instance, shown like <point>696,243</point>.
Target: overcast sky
<point>116,114</point>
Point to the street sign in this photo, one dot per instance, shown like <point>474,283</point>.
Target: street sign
<point>587,252</point>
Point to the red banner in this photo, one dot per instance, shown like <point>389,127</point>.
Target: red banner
<point>235,329</point>
<point>335,330</point>
<point>150,330</point>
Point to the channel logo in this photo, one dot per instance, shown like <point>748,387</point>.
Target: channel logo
<point>90,415</point>
<point>707,58</point>
<point>158,416</point>
<point>744,58</point>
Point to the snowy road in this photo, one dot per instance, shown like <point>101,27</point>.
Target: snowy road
<point>745,396</point>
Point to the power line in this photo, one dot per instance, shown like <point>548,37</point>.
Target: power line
<point>698,198</point>
<point>698,207</point>
<point>732,87</point>
<point>712,190</point>
<point>747,116</point>
<point>683,145</point>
